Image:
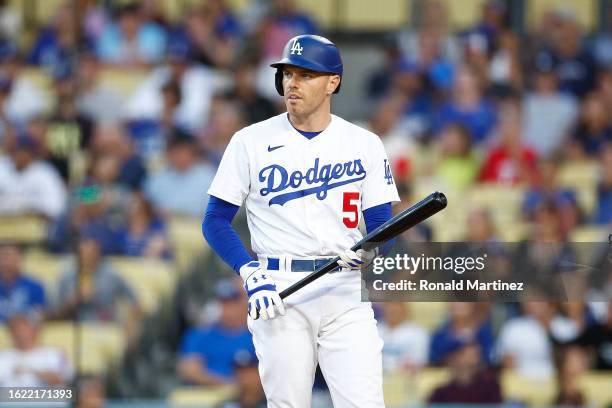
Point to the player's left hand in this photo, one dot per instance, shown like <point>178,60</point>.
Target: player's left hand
<point>356,260</point>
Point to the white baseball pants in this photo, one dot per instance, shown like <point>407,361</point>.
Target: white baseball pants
<point>326,322</point>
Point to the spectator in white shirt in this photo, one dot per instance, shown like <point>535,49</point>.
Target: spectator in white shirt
<point>525,343</point>
<point>406,344</point>
<point>29,185</point>
<point>549,114</point>
<point>28,363</point>
<point>197,85</point>
<point>25,99</point>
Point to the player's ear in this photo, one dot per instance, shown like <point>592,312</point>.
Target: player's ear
<point>334,81</point>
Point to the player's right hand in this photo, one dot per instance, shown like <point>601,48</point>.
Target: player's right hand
<point>264,299</point>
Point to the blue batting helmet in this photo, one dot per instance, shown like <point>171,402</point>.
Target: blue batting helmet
<point>311,52</point>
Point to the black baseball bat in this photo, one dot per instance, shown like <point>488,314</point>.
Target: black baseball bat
<point>408,218</point>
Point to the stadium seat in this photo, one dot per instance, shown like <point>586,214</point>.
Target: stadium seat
<point>576,174</point>
<point>40,78</point>
<point>428,315</point>
<point>589,233</point>
<point>597,236</point>
<point>512,231</point>
<point>23,229</point>
<point>370,15</point>
<point>158,274</point>
<point>5,338</point>
<point>46,10</point>
<point>109,339</point>
<point>397,387</point>
<point>586,11</point>
<point>102,345</point>
<point>45,267</point>
<point>186,237</point>
<point>532,392</point>
<point>199,396</point>
<point>322,11</point>
<point>449,224</point>
<point>123,81</point>
<point>464,13</point>
<point>582,177</point>
<point>152,280</point>
<point>504,202</point>
<point>597,387</point>
<point>428,379</point>
<point>175,10</point>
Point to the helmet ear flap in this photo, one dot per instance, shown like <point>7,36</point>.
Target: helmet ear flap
<point>278,81</point>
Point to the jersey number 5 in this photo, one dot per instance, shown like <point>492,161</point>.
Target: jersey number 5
<point>349,205</point>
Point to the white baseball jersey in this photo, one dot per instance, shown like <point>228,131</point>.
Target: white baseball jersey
<point>304,197</point>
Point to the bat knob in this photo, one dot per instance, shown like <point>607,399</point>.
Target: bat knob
<point>440,198</point>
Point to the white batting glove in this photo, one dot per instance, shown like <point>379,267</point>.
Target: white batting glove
<point>356,260</point>
<point>261,289</point>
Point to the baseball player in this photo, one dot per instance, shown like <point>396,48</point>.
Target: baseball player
<point>306,177</point>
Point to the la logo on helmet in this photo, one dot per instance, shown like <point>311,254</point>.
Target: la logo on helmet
<point>296,48</point>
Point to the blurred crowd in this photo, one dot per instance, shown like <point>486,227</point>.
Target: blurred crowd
<point>107,171</point>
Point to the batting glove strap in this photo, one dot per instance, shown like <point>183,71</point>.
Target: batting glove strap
<point>249,269</point>
<point>269,287</point>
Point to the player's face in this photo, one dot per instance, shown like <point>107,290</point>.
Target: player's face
<point>307,91</point>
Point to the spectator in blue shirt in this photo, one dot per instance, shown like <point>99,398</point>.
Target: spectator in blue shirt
<point>18,294</point>
<point>249,391</point>
<point>287,14</point>
<point>208,41</point>
<point>467,108</point>
<point>574,64</point>
<point>55,43</point>
<point>207,353</point>
<point>603,212</point>
<point>593,129</point>
<point>211,32</point>
<point>132,41</point>
<point>145,234</point>
<point>492,24</point>
<point>465,325</point>
<point>179,188</point>
<point>547,190</point>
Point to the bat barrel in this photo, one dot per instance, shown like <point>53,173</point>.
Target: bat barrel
<point>414,215</point>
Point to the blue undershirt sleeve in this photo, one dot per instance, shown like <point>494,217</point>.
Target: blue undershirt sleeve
<point>221,236</point>
<point>376,216</point>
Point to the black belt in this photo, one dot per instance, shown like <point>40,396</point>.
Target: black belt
<point>301,265</point>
